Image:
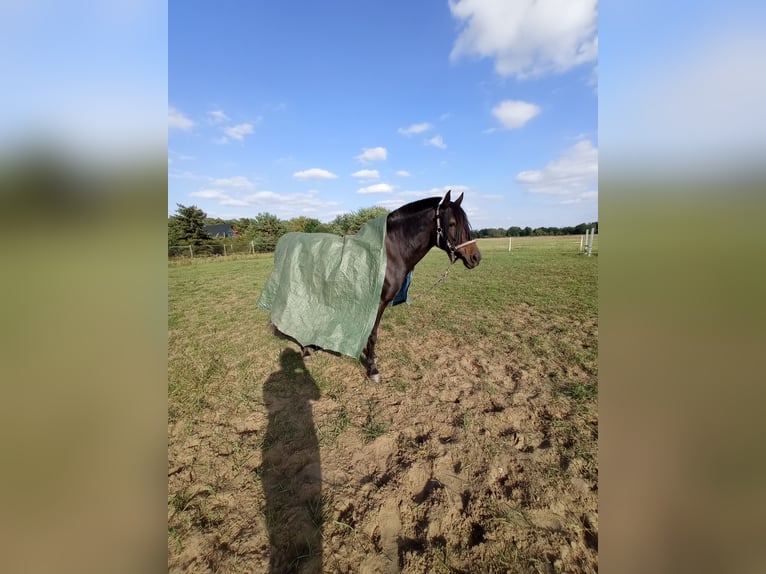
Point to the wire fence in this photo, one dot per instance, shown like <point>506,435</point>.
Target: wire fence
<point>221,249</point>
<point>585,244</point>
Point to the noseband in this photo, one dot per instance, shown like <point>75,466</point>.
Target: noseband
<point>440,233</point>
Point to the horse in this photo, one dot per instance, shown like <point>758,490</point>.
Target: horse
<point>411,232</point>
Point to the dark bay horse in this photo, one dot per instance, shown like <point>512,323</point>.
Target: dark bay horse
<point>411,231</point>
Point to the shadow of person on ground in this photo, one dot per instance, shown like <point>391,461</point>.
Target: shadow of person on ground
<point>292,475</point>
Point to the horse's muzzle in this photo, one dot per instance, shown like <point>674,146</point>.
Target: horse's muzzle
<point>471,256</point>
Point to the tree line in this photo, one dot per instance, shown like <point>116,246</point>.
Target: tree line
<point>516,231</point>
<point>186,227</point>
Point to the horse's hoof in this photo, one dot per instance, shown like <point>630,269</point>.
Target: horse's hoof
<point>374,378</point>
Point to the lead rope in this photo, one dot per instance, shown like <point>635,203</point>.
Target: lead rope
<point>441,279</point>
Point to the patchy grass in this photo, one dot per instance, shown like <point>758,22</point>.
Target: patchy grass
<point>482,437</point>
<point>373,427</point>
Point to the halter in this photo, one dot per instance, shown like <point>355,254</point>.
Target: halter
<point>440,232</point>
<point>452,251</point>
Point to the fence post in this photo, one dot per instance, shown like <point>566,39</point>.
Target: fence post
<point>224,250</point>
<point>509,244</point>
<point>190,251</point>
<point>252,246</point>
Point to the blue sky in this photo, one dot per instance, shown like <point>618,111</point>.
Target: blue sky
<point>320,108</point>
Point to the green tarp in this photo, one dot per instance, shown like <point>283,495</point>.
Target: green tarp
<point>325,289</point>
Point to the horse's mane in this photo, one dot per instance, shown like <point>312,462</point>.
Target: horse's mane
<point>415,208</point>
<point>409,211</point>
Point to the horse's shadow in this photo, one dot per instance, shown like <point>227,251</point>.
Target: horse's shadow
<point>291,471</point>
<point>305,351</point>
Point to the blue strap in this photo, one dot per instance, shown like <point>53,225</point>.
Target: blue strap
<point>401,297</point>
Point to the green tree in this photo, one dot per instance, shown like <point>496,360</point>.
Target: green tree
<point>350,223</point>
<point>265,230</point>
<point>241,225</point>
<point>324,228</point>
<point>303,224</point>
<point>365,214</point>
<point>186,226</point>
<point>344,223</point>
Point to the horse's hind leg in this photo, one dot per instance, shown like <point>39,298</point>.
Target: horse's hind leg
<point>372,358</point>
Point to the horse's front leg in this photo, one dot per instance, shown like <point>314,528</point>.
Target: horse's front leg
<point>372,358</point>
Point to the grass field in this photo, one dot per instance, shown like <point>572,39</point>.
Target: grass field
<point>477,452</point>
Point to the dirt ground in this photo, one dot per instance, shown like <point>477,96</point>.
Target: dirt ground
<point>472,456</point>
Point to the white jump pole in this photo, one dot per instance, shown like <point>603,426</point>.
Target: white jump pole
<point>581,240</point>
<point>509,244</point>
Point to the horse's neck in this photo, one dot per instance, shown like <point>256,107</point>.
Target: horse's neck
<point>416,237</point>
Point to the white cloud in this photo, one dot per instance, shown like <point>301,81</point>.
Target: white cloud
<point>366,174</point>
<point>234,201</point>
<point>440,191</point>
<point>593,79</point>
<point>285,205</point>
<point>415,129</point>
<point>372,154</point>
<point>490,196</point>
<point>390,204</point>
<point>514,113</point>
<point>437,141</point>
<point>185,174</point>
<point>209,194</point>
<point>403,197</point>
<point>314,173</point>
<point>581,198</point>
<point>456,190</point>
<point>574,174</point>
<point>217,116</point>
<point>179,156</point>
<point>403,173</point>
<point>527,38</point>
<point>236,182</point>
<point>239,131</point>
<point>178,121</point>
<point>377,188</point>
<point>267,196</point>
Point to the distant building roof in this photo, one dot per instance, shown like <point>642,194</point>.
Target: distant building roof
<point>221,230</point>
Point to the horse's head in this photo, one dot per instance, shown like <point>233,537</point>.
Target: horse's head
<point>453,232</point>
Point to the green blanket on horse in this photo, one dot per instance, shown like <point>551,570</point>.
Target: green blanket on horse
<point>325,289</point>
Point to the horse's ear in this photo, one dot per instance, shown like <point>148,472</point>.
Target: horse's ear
<point>446,199</point>
<point>459,199</point>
